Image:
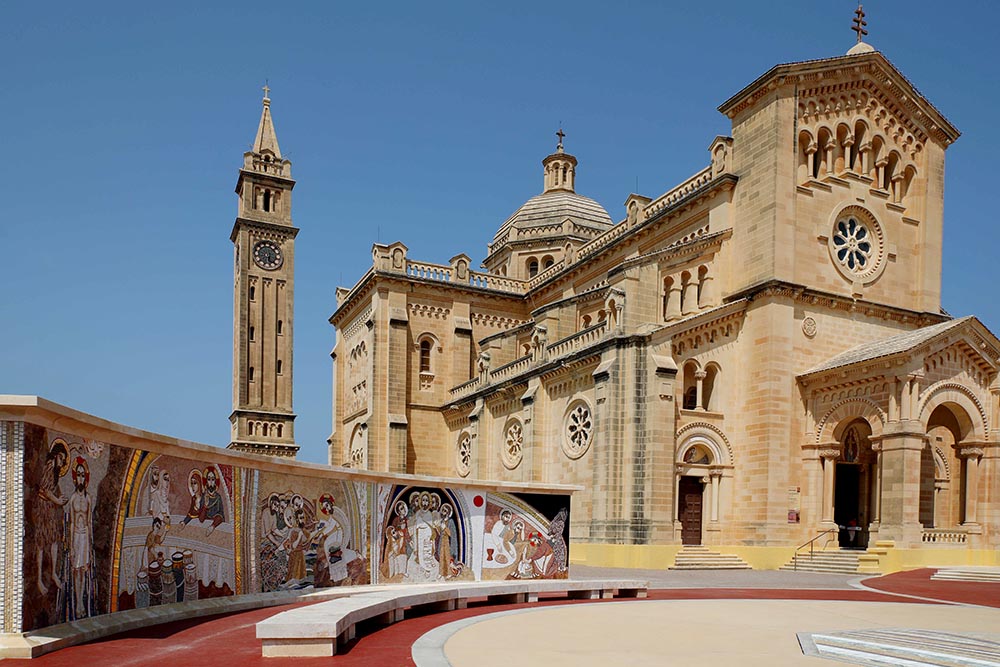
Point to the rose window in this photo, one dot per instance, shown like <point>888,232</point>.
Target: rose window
<point>853,242</point>
<point>579,430</point>
<point>463,457</point>
<point>513,446</point>
<point>857,245</point>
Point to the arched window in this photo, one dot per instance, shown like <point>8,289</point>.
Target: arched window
<point>279,367</point>
<point>586,321</point>
<point>267,200</point>
<point>690,398</point>
<point>253,292</point>
<point>251,334</point>
<point>250,428</point>
<point>709,401</point>
<point>280,429</point>
<point>279,327</point>
<point>425,356</point>
<point>547,261</point>
<point>532,267</point>
<point>251,373</point>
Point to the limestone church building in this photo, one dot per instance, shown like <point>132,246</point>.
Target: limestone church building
<point>754,358</point>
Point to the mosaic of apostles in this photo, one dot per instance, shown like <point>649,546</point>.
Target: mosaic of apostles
<point>424,537</point>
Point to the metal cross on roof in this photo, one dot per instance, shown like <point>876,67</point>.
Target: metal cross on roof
<point>859,22</point>
<point>266,89</point>
<point>560,134</point>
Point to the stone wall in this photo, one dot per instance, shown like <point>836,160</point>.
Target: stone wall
<point>100,518</point>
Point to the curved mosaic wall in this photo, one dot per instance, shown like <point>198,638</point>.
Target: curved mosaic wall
<point>108,526</point>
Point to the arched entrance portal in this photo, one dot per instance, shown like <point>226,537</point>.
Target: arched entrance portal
<point>854,490</point>
<point>700,468</point>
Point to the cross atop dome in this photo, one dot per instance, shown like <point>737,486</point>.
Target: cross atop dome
<point>859,27</point>
<point>561,135</point>
<point>859,22</point>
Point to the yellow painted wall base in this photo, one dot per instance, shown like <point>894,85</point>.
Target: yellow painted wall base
<point>661,557</point>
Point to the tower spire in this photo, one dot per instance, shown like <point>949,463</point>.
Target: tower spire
<point>267,139</point>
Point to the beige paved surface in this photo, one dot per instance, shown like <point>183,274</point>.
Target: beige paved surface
<point>688,632</point>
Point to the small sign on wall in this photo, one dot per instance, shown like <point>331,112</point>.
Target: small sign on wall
<point>794,503</point>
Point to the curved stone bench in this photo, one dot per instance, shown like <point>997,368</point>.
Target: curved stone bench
<point>317,629</point>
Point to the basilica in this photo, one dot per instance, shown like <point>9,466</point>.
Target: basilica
<point>751,361</point>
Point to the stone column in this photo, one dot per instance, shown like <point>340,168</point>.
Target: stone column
<point>846,145</point>
<point>674,300</point>
<point>706,298</point>
<point>715,477</point>
<point>699,376</point>
<point>829,457</point>
<point>877,490</point>
<point>811,160</point>
<point>830,145</point>
<point>971,455</point>
<point>690,296</point>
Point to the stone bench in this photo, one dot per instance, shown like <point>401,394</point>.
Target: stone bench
<point>317,629</point>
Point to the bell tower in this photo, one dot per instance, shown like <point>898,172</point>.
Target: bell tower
<point>264,246</point>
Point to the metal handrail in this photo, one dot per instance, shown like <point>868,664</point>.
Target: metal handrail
<point>810,543</point>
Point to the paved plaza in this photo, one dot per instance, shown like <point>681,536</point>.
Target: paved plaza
<point>693,617</point>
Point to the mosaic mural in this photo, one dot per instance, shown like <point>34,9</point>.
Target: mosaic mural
<point>114,528</point>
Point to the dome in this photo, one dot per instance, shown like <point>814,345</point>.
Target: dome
<point>860,47</point>
<point>552,208</point>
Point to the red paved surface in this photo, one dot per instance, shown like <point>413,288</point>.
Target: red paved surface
<point>919,582</point>
<point>219,641</point>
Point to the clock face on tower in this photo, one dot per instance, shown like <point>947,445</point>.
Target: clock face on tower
<point>267,255</point>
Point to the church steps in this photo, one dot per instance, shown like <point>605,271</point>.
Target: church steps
<point>697,557</point>
<point>832,562</point>
<point>984,574</point>
<point>900,646</point>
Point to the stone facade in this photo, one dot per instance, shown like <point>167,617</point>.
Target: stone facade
<point>748,359</point>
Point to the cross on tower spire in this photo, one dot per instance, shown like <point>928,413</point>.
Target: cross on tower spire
<point>859,22</point>
<point>267,90</point>
<point>560,134</point>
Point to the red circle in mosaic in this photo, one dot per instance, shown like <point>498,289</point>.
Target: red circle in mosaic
<point>478,501</point>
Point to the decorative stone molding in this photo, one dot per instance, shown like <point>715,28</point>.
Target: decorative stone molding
<point>427,310</point>
<point>809,327</point>
<point>711,433</point>
<point>831,453</point>
<point>866,408</point>
<point>964,393</point>
<point>969,452</point>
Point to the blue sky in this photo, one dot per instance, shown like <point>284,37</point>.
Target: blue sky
<point>124,126</point>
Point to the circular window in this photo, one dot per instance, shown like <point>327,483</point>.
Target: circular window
<point>857,245</point>
<point>463,455</point>
<point>578,430</point>
<point>513,444</point>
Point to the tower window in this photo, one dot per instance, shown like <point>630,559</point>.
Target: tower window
<point>280,429</point>
<point>279,366</point>
<point>253,292</point>
<point>251,334</point>
<point>425,356</point>
<point>532,268</point>
<point>251,374</point>
<point>267,200</point>
<point>279,327</point>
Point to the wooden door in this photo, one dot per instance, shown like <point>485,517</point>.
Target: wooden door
<point>690,509</point>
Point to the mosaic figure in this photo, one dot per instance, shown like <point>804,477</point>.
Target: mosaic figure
<point>79,511</point>
<point>49,521</point>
